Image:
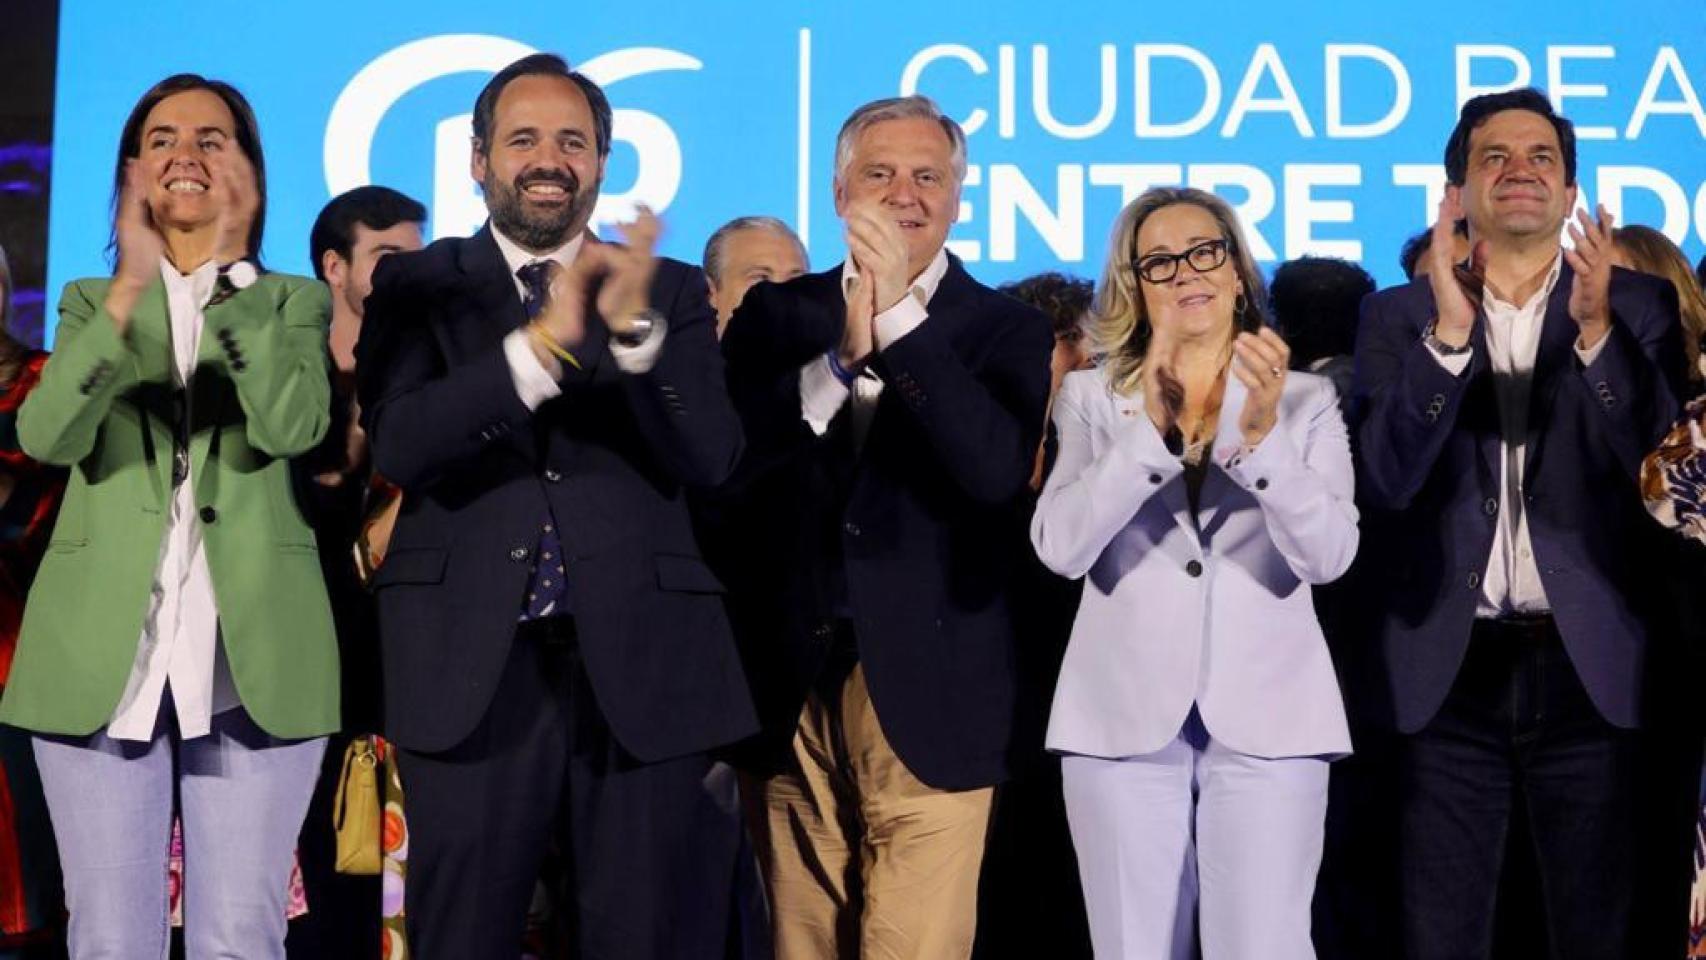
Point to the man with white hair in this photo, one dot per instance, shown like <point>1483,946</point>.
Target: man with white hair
<point>892,407</point>
<point>745,252</point>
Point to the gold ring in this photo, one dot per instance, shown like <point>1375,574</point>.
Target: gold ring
<point>1277,371</point>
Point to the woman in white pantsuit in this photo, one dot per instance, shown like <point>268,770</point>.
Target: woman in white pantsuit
<point>1201,489</point>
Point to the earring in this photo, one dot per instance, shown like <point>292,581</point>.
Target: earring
<point>1238,304</point>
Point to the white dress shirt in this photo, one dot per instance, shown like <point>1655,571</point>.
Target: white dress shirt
<point>535,381</point>
<point>180,644</point>
<point>822,393</point>
<point>1512,584</point>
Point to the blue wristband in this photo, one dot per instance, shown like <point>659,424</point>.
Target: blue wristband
<point>843,374</point>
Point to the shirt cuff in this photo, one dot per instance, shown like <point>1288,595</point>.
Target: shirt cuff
<point>899,320</point>
<point>534,382</point>
<point>1454,364</point>
<point>641,357</point>
<point>1589,355</point>
<point>821,394</point>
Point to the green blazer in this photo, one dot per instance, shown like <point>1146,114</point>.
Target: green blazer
<point>105,408</point>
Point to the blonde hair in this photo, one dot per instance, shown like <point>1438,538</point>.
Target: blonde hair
<point>1651,252</point>
<point>1119,324</point>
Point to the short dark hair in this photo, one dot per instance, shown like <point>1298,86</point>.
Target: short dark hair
<point>1478,109</point>
<point>1064,299</point>
<point>1417,247</point>
<point>547,65</point>
<point>1315,303</point>
<point>248,137</point>
<point>374,207</point>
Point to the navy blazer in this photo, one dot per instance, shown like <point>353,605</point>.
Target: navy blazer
<point>924,525</point>
<point>1430,450</point>
<point>610,457</point>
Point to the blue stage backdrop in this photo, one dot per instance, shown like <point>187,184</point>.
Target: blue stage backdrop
<point>1322,121</point>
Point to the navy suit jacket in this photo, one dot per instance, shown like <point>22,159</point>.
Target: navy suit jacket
<point>1430,453</point>
<point>924,524</point>
<point>610,457</point>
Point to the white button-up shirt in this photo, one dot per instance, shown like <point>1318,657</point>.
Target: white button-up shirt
<point>180,645</point>
<point>822,393</point>
<point>1512,584</point>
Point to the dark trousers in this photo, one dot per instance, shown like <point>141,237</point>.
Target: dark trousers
<point>1517,728</point>
<point>644,877</point>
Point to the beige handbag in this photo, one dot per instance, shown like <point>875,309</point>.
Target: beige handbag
<point>355,811</point>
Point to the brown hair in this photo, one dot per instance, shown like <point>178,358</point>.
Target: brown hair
<point>1651,252</point>
<point>1119,324</point>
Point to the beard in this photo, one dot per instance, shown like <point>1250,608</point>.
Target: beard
<point>537,228</point>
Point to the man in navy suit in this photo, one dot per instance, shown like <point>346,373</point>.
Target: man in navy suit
<point>1506,408</point>
<point>893,408</point>
<point>557,661</point>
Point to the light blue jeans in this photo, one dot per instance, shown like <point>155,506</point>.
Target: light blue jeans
<point>242,796</point>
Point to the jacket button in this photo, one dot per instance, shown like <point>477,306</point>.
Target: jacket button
<point>851,528</point>
<point>1261,483</point>
<point>1194,568</point>
<point>208,514</point>
<point>1155,478</point>
<point>552,476</point>
<point>1474,580</point>
<point>1490,506</point>
<point>822,632</point>
<point>518,554</point>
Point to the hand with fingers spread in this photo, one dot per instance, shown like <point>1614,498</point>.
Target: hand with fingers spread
<point>140,247</point>
<point>628,268</point>
<point>1457,291</point>
<point>1592,259</point>
<point>879,250</point>
<point>1259,362</point>
<point>858,338</point>
<point>237,201</point>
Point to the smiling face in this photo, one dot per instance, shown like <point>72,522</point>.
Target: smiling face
<point>542,169</point>
<point>1514,185</point>
<point>183,138</point>
<point>1191,305</point>
<point>906,167</point>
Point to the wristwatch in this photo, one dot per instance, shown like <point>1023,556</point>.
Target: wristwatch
<point>1441,347</point>
<point>639,329</point>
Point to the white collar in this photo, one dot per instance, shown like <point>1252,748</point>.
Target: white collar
<point>923,286</point>
<point>1491,299</point>
<point>516,257</point>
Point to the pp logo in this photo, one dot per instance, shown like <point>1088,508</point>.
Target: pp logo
<point>457,208</point>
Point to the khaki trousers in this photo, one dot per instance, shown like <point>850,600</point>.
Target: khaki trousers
<point>862,859</point>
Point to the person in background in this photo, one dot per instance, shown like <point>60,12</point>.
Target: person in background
<point>747,251</point>
<point>205,678</point>
<point>1315,303</point>
<point>1672,892</point>
<point>1414,257</point>
<point>30,901</point>
<point>338,488</point>
<point>1201,487</point>
<point>1028,897</point>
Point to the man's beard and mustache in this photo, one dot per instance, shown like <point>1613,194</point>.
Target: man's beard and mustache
<point>537,228</point>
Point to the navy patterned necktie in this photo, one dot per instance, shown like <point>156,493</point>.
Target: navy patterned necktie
<point>548,584</point>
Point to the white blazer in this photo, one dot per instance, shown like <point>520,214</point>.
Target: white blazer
<point>1214,611</point>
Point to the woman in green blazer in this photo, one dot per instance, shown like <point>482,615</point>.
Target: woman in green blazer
<point>178,641</point>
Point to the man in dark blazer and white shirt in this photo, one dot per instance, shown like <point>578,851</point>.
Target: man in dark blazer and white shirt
<point>893,408</point>
<point>1503,429</point>
<point>556,657</point>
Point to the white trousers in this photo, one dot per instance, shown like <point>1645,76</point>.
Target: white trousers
<point>1197,838</point>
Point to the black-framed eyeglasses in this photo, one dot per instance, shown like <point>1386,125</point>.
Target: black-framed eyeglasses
<point>1162,267</point>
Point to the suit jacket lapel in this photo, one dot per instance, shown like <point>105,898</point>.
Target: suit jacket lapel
<point>1227,439</point>
<point>151,332</point>
<point>1554,359</point>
